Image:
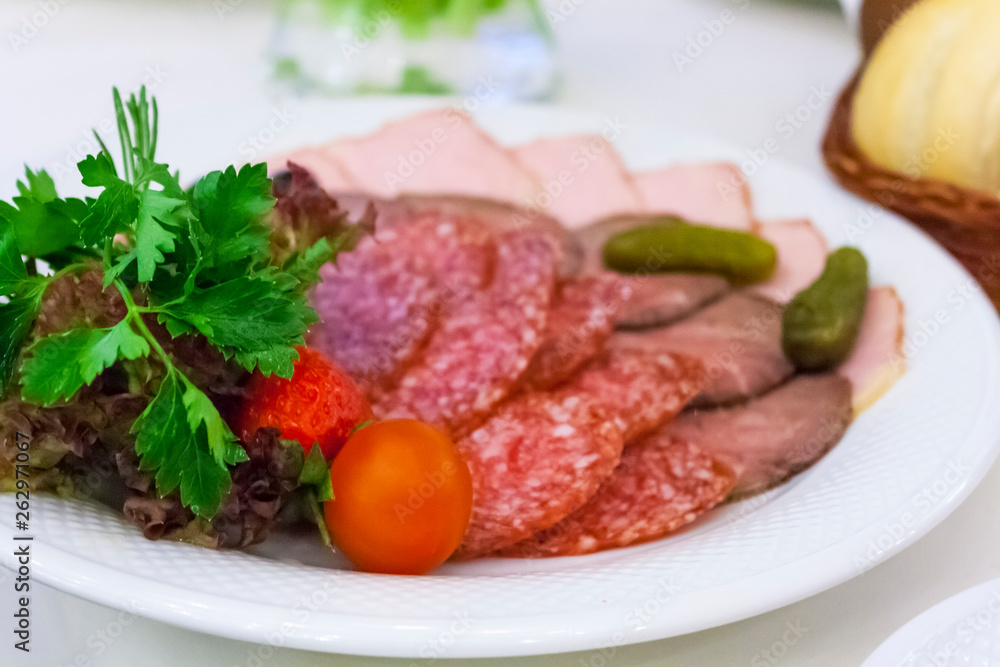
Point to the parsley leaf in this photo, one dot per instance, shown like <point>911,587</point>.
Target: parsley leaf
<point>58,366</point>
<point>305,267</point>
<point>201,412</point>
<point>279,360</point>
<point>249,315</point>
<point>53,369</point>
<point>16,320</point>
<point>231,205</point>
<point>181,454</point>
<point>12,270</point>
<point>114,209</point>
<point>42,223</point>
<point>158,213</point>
<point>118,342</point>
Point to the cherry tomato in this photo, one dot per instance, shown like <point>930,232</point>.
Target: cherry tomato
<point>402,498</point>
<point>319,404</point>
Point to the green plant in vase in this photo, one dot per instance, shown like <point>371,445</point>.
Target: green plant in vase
<point>343,47</point>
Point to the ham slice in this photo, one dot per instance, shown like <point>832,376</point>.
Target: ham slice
<point>543,454</point>
<point>772,438</point>
<point>660,485</point>
<point>655,299</point>
<point>584,178</point>
<point>441,151</point>
<point>802,252</point>
<point>709,193</point>
<point>738,340</point>
<point>877,360</point>
<point>327,172</point>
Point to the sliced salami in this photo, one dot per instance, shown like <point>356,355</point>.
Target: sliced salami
<point>581,321</point>
<point>660,485</point>
<point>377,306</point>
<point>484,344</point>
<point>380,302</point>
<point>545,453</point>
<point>496,217</point>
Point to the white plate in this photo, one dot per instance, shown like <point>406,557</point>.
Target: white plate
<point>901,469</point>
<point>962,630</point>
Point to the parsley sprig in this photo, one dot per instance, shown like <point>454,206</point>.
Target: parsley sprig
<point>197,261</point>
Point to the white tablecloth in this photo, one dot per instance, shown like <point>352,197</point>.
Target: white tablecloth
<point>620,58</point>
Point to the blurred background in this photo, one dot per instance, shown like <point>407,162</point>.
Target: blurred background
<point>728,68</point>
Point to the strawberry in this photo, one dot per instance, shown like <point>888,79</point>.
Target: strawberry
<point>320,404</point>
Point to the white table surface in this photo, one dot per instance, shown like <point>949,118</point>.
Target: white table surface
<point>619,60</point>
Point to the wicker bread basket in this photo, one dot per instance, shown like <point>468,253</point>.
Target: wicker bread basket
<point>966,222</point>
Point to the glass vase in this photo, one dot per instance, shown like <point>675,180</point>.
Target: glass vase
<point>500,49</point>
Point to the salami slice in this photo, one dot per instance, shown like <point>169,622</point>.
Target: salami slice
<point>380,302</point>
<point>545,453</point>
<point>581,321</point>
<point>377,310</point>
<point>660,485</point>
<point>484,344</point>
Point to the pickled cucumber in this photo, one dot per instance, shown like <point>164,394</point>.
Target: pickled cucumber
<point>672,245</point>
<point>821,324</point>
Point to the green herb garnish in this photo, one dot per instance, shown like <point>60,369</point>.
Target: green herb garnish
<point>197,261</point>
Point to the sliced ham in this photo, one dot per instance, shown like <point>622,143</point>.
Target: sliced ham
<point>772,438</point>
<point>655,299</point>
<point>660,485</point>
<point>709,193</point>
<point>484,343</point>
<point>580,323</point>
<point>737,339</point>
<point>440,151</point>
<point>543,454</point>
<point>877,360</point>
<point>802,252</point>
<point>583,176</point>
<point>329,173</point>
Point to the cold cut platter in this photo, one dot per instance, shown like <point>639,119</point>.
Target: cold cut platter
<point>652,452</point>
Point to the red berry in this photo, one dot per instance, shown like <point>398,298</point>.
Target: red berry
<point>319,404</point>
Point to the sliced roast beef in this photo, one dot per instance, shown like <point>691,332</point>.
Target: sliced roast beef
<point>774,437</point>
<point>738,340</point>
